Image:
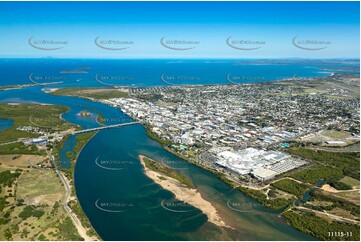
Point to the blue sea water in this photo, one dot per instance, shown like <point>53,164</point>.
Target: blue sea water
<point>101,73</point>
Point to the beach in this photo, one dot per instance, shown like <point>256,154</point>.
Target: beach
<point>185,194</point>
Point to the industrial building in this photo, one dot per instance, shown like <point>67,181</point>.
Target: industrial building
<point>261,164</point>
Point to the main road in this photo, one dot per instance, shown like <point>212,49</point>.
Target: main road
<point>105,127</point>
<point>77,223</point>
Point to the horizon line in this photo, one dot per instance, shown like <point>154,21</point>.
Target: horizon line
<point>189,58</point>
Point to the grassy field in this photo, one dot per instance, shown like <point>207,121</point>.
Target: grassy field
<point>353,197</point>
<point>40,185</point>
<point>20,148</point>
<point>336,134</point>
<point>276,203</point>
<point>33,211</point>
<point>45,117</point>
<point>333,164</point>
<point>20,161</point>
<point>30,206</point>
<point>292,187</point>
<point>337,202</point>
<point>316,173</point>
<point>351,182</point>
<point>95,93</point>
<point>167,172</point>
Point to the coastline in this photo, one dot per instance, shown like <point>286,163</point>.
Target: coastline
<point>185,194</point>
<point>193,161</point>
<point>279,205</point>
<point>81,215</point>
<point>77,214</point>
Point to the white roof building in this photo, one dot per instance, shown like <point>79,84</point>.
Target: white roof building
<point>263,174</point>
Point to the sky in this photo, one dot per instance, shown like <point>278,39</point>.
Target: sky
<point>125,30</point>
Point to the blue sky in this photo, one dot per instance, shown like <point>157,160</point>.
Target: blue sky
<point>320,29</point>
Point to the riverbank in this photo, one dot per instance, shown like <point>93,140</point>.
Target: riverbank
<point>32,190</point>
<point>78,215</point>
<point>185,194</point>
<point>281,197</point>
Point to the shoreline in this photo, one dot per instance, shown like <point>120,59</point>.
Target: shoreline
<point>73,194</point>
<point>185,194</point>
<point>67,176</point>
<point>191,160</point>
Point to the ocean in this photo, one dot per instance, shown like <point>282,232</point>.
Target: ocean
<point>144,73</point>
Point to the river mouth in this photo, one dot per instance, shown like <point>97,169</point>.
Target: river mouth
<point>123,204</point>
<point>130,203</point>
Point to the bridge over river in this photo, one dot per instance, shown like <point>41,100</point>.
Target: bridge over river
<point>105,127</point>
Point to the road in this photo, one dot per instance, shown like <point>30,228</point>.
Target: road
<point>77,223</point>
<point>332,216</point>
<point>12,142</point>
<point>105,127</point>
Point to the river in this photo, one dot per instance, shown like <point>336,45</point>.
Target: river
<point>123,204</point>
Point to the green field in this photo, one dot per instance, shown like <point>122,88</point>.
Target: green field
<point>351,182</point>
<point>336,134</point>
<point>292,187</point>
<point>20,148</point>
<point>335,202</point>
<point>318,172</point>
<point>95,93</point>
<point>47,185</point>
<point>274,204</point>
<point>44,117</point>
<point>32,210</point>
